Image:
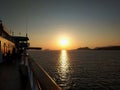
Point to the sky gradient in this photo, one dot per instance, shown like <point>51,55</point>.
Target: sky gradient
<point>89,23</point>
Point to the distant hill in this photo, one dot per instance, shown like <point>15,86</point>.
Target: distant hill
<point>83,48</point>
<point>100,48</point>
<point>35,48</point>
<point>108,48</point>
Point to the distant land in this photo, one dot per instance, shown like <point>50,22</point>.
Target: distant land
<point>108,48</point>
<point>100,48</point>
<point>83,48</point>
<point>35,48</point>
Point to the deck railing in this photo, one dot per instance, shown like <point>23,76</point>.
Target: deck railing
<point>38,77</point>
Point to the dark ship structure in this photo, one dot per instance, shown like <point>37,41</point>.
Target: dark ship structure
<point>11,45</point>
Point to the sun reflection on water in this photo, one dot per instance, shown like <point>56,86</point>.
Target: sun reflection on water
<point>63,68</point>
<point>63,61</point>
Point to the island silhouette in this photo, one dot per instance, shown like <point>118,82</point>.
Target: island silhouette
<point>100,48</point>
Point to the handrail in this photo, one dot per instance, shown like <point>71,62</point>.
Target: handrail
<point>44,81</point>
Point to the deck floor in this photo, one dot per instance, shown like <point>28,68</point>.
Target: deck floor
<point>10,78</point>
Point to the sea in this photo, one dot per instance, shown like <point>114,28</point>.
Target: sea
<point>81,69</point>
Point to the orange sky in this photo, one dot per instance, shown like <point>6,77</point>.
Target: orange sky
<point>86,23</point>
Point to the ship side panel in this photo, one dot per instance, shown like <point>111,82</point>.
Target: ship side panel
<point>6,46</point>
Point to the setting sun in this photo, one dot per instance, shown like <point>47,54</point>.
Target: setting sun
<point>64,42</point>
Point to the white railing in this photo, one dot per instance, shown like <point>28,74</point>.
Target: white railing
<point>38,77</point>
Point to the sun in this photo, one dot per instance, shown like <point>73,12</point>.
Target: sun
<point>64,42</point>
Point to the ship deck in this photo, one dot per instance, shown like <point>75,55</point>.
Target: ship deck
<point>10,78</point>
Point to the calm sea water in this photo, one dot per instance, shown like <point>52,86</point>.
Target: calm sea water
<point>82,69</point>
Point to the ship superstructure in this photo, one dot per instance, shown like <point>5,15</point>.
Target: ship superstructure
<point>10,44</point>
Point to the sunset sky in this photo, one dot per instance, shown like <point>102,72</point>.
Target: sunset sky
<point>81,23</point>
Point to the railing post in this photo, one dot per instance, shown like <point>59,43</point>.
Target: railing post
<point>35,87</point>
<point>30,74</point>
<point>32,80</point>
